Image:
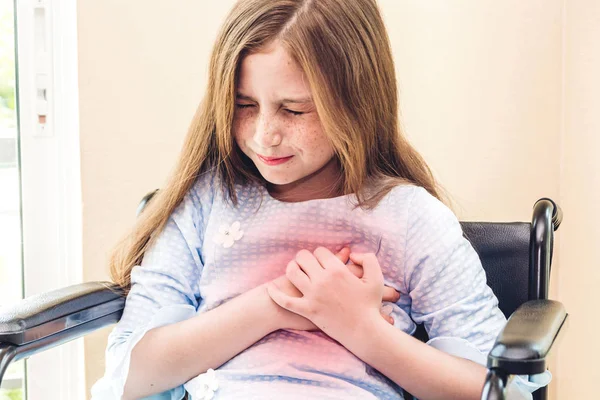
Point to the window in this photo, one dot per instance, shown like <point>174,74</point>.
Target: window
<point>40,187</point>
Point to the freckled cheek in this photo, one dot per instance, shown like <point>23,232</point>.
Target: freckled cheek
<point>242,130</point>
<point>315,142</point>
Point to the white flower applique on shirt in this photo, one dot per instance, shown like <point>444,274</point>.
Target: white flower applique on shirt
<point>229,234</point>
<point>204,386</point>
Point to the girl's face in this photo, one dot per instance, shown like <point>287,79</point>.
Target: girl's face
<point>277,126</point>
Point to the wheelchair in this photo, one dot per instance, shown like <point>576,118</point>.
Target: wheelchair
<point>516,257</point>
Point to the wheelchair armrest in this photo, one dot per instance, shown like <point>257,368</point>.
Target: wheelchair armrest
<point>523,344</point>
<point>40,316</point>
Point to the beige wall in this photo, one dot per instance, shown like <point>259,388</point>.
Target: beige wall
<point>579,275</point>
<point>142,72</point>
<point>498,96</point>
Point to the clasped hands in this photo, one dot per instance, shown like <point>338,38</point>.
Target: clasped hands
<point>320,291</point>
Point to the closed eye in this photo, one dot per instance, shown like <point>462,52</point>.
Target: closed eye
<point>292,112</point>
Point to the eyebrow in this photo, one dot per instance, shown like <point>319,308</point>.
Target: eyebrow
<point>301,100</point>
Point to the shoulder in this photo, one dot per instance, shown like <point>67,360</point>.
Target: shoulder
<point>424,204</point>
<point>423,212</point>
<point>417,201</point>
<point>205,185</point>
<point>414,200</point>
<point>398,198</point>
<point>198,200</point>
<point>431,223</point>
<point>391,214</point>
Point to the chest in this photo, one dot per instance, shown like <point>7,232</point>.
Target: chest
<point>247,246</point>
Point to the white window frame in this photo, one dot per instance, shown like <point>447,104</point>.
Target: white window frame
<point>51,186</point>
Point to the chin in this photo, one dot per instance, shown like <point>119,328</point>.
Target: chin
<point>277,181</point>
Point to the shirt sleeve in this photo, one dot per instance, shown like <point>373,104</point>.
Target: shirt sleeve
<point>164,290</point>
<point>448,289</point>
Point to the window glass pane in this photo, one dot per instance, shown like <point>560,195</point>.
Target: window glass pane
<point>11,268</point>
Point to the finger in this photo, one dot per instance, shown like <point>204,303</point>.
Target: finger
<point>309,264</point>
<point>293,304</point>
<point>297,277</point>
<point>387,318</point>
<point>355,269</point>
<point>327,259</point>
<point>372,271</point>
<point>343,254</point>
<point>357,258</point>
<point>387,309</point>
<point>390,294</point>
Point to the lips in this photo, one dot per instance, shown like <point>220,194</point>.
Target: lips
<point>272,158</point>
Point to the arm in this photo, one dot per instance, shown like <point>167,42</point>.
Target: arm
<point>170,355</point>
<point>161,341</point>
<point>164,289</point>
<point>449,295</point>
<point>347,309</point>
<point>448,288</point>
<point>410,363</point>
<point>446,282</point>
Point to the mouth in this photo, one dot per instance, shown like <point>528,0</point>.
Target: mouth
<point>273,160</point>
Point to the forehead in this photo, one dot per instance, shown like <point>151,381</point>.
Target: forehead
<point>272,69</point>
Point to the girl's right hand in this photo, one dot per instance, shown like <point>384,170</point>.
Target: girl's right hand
<point>290,320</point>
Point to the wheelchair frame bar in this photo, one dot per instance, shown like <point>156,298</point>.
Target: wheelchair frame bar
<point>61,324</point>
<point>10,352</point>
<point>547,217</point>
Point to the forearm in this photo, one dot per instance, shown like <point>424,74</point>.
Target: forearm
<point>424,371</point>
<point>173,354</point>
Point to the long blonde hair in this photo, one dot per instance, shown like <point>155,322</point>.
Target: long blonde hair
<point>344,50</point>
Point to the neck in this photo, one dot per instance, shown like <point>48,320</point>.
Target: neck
<point>322,184</point>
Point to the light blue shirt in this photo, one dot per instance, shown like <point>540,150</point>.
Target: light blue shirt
<point>210,252</point>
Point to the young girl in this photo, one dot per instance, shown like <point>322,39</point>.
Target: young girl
<point>297,208</point>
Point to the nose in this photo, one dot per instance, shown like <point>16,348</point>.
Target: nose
<point>267,132</point>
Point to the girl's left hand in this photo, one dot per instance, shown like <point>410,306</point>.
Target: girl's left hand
<point>334,299</point>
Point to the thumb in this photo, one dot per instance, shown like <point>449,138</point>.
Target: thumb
<point>290,303</point>
<point>371,269</point>
<point>343,254</point>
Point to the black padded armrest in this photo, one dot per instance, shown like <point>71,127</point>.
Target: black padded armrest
<point>522,346</point>
<point>45,314</point>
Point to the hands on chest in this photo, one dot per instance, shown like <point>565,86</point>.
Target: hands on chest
<point>321,290</point>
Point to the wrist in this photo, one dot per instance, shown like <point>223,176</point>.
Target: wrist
<point>269,312</point>
<point>368,330</point>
